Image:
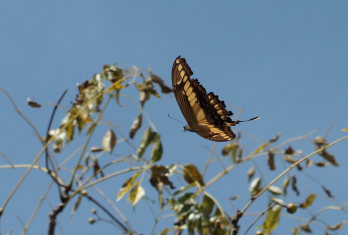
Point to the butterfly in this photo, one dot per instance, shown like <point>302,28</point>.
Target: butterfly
<point>204,112</point>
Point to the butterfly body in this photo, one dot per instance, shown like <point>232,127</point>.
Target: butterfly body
<point>204,112</point>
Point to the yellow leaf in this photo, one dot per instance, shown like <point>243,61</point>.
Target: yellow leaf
<point>136,193</point>
<point>79,167</point>
<point>261,148</point>
<point>127,186</point>
<point>118,85</point>
<point>335,227</point>
<point>272,219</point>
<point>165,231</point>
<point>309,201</point>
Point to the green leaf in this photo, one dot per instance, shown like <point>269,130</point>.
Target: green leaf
<point>77,204</point>
<point>157,151</point>
<point>127,185</point>
<point>309,201</point>
<point>136,193</point>
<point>272,219</point>
<point>148,138</point>
<point>109,141</point>
<point>207,205</point>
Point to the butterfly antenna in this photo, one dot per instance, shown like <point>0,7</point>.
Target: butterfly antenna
<point>176,119</point>
<point>251,119</point>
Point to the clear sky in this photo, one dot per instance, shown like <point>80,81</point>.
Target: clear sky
<point>283,60</point>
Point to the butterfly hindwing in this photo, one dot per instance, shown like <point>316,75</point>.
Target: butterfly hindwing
<point>205,113</point>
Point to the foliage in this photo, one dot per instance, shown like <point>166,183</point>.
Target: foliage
<point>192,208</point>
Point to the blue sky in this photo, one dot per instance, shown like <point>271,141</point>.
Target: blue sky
<point>283,60</point>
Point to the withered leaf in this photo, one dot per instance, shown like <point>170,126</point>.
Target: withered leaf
<point>112,73</point>
<point>306,228</point>
<point>327,192</point>
<point>294,185</point>
<point>289,151</point>
<point>96,168</point>
<point>192,174</point>
<point>96,149</point>
<point>274,139</point>
<point>321,142</point>
<point>159,177</point>
<point>33,103</point>
<point>159,81</point>
<point>321,164</point>
<point>329,157</point>
<point>270,161</point>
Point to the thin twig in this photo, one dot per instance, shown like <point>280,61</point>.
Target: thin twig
<point>240,213</point>
<point>259,217</point>
<point>48,158</point>
<point>86,146</point>
<point>106,211</point>
<point>27,120</point>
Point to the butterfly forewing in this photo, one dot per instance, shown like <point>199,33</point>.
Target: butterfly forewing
<point>205,113</point>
